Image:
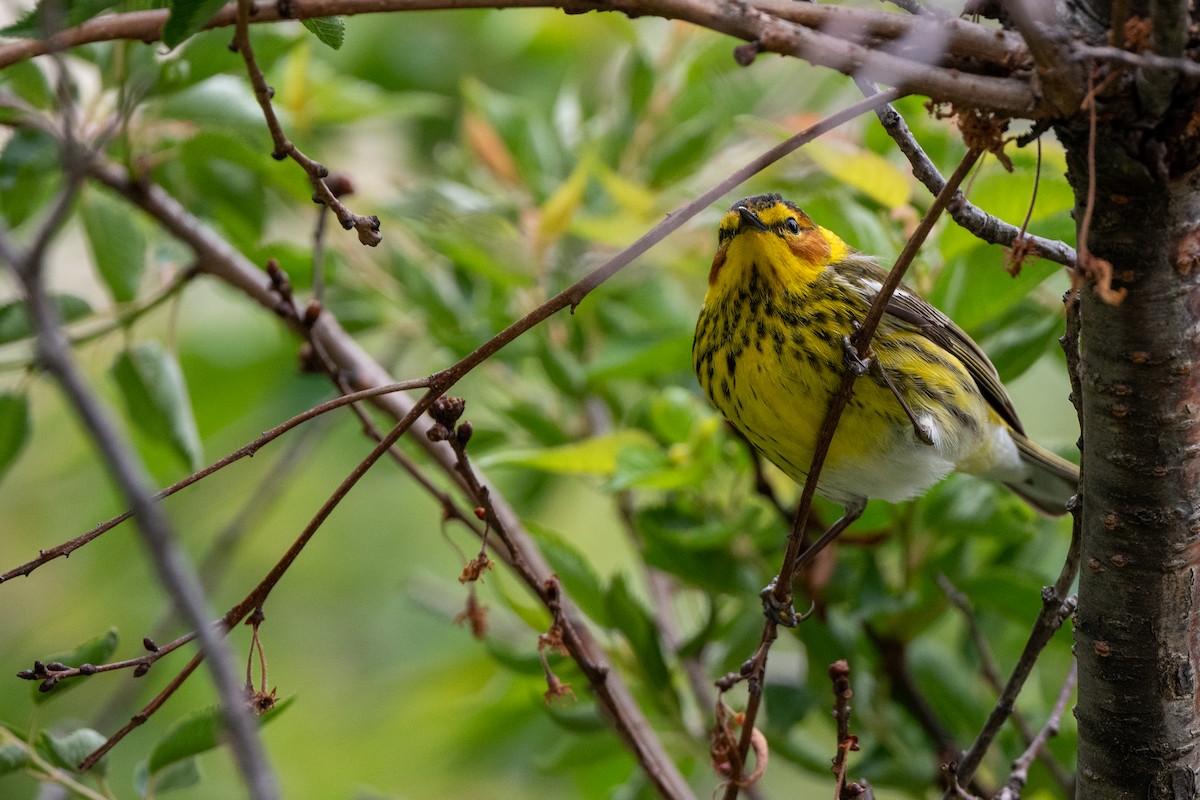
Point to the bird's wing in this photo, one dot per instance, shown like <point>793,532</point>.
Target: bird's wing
<point>908,307</point>
<point>941,330</point>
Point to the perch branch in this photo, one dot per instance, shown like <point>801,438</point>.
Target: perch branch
<point>754,670</point>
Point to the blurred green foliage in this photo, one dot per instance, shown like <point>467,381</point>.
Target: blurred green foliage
<point>506,153</point>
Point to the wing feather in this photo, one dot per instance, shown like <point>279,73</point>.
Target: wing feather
<point>908,307</point>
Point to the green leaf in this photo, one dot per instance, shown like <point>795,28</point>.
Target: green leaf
<point>30,84</point>
<point>1018,338</point>
<point>156,399</point>
<point>632,360</point>
<point>69,750</point>
<point>118,245</point>
<point>224,106</point>
<point>14,427</point>
<point>632,619</point>
<point>575,572</point>
<point>330,31</point>
<point>869,173</point>
<point>180,775</point>
<point>976,288</point>
<point>29,174</point>
<point>33,24</point>
<point>94,651</point>
<point>651,467</point>
<point>196,733</point>
<point>697,551</point>
<point>14,315</point>
<point>12,758</point>
<point>674,413</point>
<point>188,17</point>
<point>595,456</point>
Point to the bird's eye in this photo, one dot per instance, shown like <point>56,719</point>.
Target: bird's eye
<point>792,225</point>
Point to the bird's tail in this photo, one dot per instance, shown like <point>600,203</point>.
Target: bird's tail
<point>1051,480</point>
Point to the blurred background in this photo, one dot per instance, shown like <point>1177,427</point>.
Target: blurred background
<point>506,153</point>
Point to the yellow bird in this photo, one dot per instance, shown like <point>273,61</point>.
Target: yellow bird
<point>772,343</point>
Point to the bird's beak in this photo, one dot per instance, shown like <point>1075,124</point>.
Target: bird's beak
<point>750,218</point>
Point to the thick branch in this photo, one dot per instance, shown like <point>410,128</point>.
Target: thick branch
<point>908,68</point>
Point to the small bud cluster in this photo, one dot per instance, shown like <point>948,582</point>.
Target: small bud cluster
<point>445,412</point>
<point>50,674</point>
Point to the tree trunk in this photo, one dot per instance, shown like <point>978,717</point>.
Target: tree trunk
<point>1139,601</point>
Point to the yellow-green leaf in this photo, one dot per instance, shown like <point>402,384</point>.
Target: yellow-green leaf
<point>595,456</point>
<point>560,207</point>
<point>869,173</point>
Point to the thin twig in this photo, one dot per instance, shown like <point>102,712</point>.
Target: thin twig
<point>44,770</point>
<point>174,571</point>
<point>1150,61</point>
<point>1057,605</point>
<point>126,315</point>
<point>144,714</point>
<point>1091,266</point>
<point>70,546</point>
<point>991,674</point>
<point>367,227</point>
<point>839,675</point>
<point>1020,767</point>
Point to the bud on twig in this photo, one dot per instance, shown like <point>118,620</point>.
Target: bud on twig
<point>463,433</point>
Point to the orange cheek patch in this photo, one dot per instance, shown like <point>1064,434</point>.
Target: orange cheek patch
<point>811,248</point>
<point>718,262</point>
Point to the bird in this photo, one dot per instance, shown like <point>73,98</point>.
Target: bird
<point>772,344</point>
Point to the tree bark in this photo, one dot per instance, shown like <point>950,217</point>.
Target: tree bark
<point>1139,599</point>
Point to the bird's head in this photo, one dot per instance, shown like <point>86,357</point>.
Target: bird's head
<point>774,236</point>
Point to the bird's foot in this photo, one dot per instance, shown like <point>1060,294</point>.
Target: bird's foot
<point>781,613</point>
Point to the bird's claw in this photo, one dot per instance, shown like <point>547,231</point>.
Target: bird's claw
<point>781,613</point>
<point>858,365</point>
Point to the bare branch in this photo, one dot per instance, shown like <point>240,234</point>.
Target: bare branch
<point>174,571</point>
<point>1146,61</point>
<point>1057,605</point>
<point>757,23</point>
<point>1020,767</point>
<point>1061,80</point>
<point>367,227</point>
<point>991,674</point>
<point>70,546</point>
<point>968,215</point>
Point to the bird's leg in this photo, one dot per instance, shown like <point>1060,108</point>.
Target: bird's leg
<point>782,612</point>
<point>919,428</point>
<point>861,366</point>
